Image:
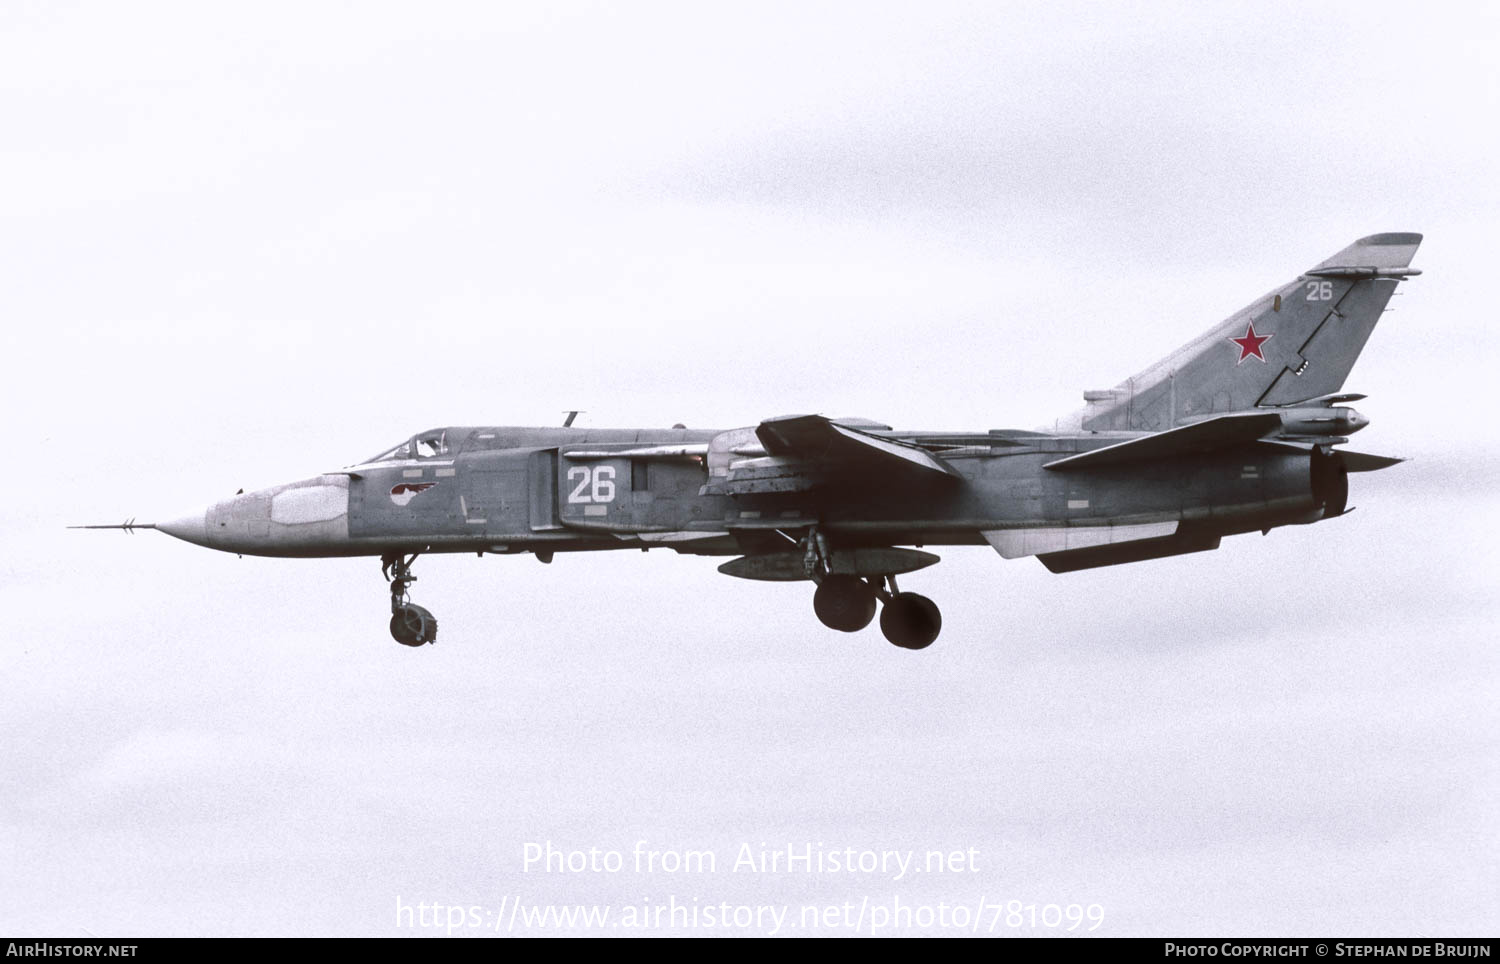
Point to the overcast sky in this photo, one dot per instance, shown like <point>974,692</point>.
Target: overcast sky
<point>243,246</point>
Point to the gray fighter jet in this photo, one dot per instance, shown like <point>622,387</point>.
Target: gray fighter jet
<point>1234,432</point>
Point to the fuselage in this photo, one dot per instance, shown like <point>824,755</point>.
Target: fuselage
<point>545,490</point>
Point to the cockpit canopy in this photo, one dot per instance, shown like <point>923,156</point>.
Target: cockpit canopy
<point>425,445</point>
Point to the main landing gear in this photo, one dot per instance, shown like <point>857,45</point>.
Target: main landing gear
<point>847,603</point>
<point>411,625</point>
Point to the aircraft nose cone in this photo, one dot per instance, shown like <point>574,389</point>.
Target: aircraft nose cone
<point>190,528</point>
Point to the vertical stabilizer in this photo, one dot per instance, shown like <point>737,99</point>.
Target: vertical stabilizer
<point>1297,342</point>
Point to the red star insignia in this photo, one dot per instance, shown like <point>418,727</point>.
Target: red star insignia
<point>1249,344</point>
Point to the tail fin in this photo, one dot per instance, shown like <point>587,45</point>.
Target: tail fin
<point>1297,342</point>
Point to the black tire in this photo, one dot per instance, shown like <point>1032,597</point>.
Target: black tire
<point>845,603</point>
<point>412,625</point>
<point>911,621</point>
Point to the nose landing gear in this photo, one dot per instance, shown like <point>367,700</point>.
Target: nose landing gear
<point>411,625</point>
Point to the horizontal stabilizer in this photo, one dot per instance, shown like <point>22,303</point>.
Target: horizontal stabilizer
<point>827,444</point>
<point>1214,433</point>
<point>1364,462</point>
<point>1353,461</point>
<point>1015,543</point>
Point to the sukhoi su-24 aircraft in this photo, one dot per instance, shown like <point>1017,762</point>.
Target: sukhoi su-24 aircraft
<point>1234,432</point>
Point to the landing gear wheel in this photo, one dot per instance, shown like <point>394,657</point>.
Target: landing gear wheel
<point>413,625</point>
<point>845,603</point>
<point>911,621</point>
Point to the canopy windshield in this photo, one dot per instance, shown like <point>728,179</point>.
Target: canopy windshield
<point>428,445</point>
<point>401,451</point>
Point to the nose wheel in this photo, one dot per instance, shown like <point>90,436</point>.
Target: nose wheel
<point>411,625</point>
